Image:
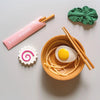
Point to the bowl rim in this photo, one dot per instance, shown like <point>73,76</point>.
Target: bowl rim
<point>52,74</point>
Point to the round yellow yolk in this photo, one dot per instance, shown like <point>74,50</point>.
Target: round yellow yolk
<point>63,54</point>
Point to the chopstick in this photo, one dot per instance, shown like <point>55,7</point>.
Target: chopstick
<point>48,18</point>
<point>42,18</point>
<point>79,50</point>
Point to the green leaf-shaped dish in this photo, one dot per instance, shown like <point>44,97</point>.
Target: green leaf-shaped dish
<point>85,15</point>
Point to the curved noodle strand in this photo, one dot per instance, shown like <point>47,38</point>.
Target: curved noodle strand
<point>56,68</point>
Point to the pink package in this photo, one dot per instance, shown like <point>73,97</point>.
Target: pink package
<point>23,33</point>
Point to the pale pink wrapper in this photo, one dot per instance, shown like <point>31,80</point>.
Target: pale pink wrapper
<point>23,33</point>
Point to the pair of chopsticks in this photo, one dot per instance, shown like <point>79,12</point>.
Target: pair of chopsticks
<point>44,19</point>
<point>79,50</point>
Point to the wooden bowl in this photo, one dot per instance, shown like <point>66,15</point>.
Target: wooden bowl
<point>47,48</point>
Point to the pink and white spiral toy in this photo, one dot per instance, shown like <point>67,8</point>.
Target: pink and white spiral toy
<point>27,55</point>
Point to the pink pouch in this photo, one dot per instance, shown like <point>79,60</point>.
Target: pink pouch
<point>23,33</point>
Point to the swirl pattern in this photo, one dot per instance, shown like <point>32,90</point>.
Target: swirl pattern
<point>27,55</point>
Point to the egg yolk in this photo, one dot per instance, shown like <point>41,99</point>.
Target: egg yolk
<point>63,54</point>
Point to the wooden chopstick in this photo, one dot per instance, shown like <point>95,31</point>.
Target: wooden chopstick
<point>48,18</point>
<point>42,18</point>
<point>81,50</point>
<point>83,56</point>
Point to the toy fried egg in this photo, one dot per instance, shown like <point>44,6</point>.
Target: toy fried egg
<point>65,54</point>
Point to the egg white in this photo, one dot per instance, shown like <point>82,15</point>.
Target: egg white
<point>72,54</point>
